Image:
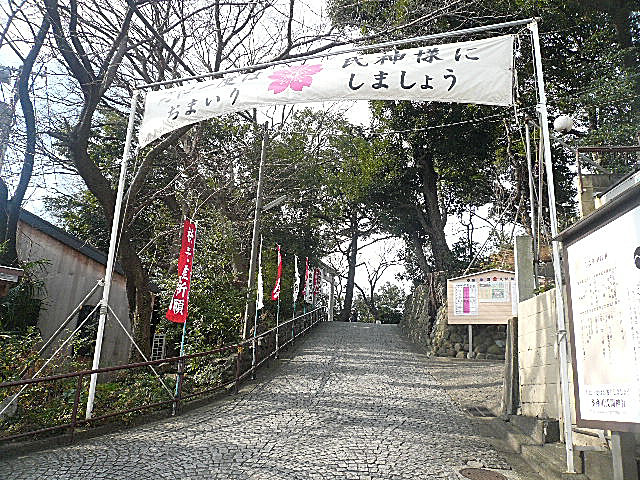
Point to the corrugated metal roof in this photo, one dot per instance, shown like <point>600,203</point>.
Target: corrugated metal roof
<point>66,238</point>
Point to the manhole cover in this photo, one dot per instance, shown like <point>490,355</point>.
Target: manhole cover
<point>481,474</point>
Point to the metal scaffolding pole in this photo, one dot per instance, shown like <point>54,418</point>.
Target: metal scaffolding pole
<point>532,205</point>
<point>557,269</point>
<point>255,242</point>
<point>115,229</point>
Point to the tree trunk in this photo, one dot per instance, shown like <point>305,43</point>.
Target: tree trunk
<point>10,253</point>
<point>139,296</point>
<point>621,15</point>
<point>417,244</point>
<point>440,250</point>
<point>351,274</point>
<point>621,12</point>
<point>93,86</point>
<point>373,309</point>
<point>4,213</point>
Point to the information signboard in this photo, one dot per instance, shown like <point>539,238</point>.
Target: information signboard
<point>482,298</point>
<point>602,269</point>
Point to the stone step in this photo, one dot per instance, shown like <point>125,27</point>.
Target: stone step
<point>547,460</point>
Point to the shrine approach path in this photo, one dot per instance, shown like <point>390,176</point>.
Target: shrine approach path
<point>354,401</point>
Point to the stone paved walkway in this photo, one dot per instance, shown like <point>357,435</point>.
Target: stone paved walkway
<point>470,382</point>
<point>355,402</point>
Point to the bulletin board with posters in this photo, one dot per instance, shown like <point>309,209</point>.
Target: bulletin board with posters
<point>602,272</point>
<point>487,297</point>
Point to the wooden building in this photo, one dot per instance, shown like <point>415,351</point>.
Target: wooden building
<point>72,270</point>
<point>484,298</point>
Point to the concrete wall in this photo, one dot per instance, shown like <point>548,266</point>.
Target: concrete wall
<point>68,277</point>
<point>538,357</point>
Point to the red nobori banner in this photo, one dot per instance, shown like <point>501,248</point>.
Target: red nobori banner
<point>178,308</point>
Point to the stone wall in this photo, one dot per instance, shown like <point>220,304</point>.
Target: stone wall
<point>427,327</point>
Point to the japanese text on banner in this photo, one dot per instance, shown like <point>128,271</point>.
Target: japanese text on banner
<point>479,71</point>
<point>275,293</point>
<point>178,308</point>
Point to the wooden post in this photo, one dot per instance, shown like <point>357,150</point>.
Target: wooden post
<point>470,352</point>
<point>524,267</point>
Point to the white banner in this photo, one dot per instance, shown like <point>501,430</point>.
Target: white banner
<point>260,292</point>
<point>478,71</point>
<point>296,281</point>
<point>309,289</point>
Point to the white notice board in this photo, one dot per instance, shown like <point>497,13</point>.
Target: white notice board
<point>481,298</point>
<point>465,298</point>
<point>603,269</point>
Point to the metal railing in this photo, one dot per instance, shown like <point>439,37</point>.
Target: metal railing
<point>266,345</point>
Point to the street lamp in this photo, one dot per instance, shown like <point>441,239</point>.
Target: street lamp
<point>274,203</point>
<point>563,124</point>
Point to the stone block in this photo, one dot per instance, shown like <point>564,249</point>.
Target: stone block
<point>480,349</point>
<point>541,430</point>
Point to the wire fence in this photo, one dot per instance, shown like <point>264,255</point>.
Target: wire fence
<point>56,403</point>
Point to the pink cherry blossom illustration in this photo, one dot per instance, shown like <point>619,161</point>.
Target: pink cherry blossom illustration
<point>295,77</point>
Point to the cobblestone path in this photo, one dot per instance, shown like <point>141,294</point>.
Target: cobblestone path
<point>355,402</point>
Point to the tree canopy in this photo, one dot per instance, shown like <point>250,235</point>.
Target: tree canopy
<point>427,174</point>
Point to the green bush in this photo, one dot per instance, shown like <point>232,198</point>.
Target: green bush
<point>16,350</point>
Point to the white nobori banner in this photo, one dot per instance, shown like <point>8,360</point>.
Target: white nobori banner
<point>478,72</point>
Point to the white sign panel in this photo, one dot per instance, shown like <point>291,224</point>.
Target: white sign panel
<point>604,278</point>
<point>308,292</point>
<point>465,298</point>
<point>478,71</point>
<point>494,291</point>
